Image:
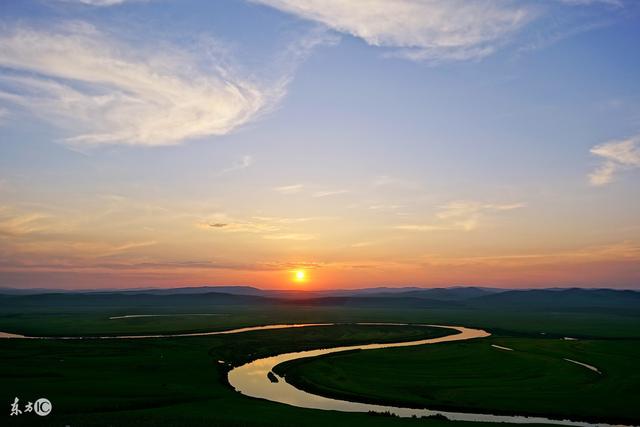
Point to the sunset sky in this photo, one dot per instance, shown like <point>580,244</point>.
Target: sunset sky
<point>367,143</point>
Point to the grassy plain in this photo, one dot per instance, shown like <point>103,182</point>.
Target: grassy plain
<point>178,381</point>
<point>473,376</point>
<point>175,381</point>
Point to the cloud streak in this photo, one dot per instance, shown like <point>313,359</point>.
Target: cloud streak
<point>617,155</point>
<point>460,215</point>
<point>328,193</point>
<point>616,3</point>
<point>100,3</point>
<point>272,228</point>
<point>109,92</point>
<point>20,224</point>
<point>243,163</point>
<point>431,30</point>
<point>289,189</point>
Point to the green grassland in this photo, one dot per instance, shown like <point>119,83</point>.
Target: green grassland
<point>178,381</point>
<point>175,381</point>
<point>96,322</point>
<point>473,376</point>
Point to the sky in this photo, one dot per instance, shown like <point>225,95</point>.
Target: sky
<point>165,143</point>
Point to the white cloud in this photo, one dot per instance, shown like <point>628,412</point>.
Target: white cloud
<point>460,215</point>
<point>108,92</point>
<point>459,209</point>
<point>617,155</point>
<point>99,2</point>
<point>617,3</point>
<point>431,30</point>
<point>328,193</point>
<point>289,189</point>
<point>243,163</point>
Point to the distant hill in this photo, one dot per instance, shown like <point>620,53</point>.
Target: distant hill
<point>395,301</point>
<point>234,290</point>
<point>453,293</point>
<point>547,299</point>
<point>440,294</point>
<point>181,299</point>
<point>128,299</point>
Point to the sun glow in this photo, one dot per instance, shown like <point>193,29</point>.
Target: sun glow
<point>299,276</point>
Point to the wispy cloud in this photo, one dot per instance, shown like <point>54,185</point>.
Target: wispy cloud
<point>292,220</point>
<point>243,163</point>
<point>106,91</point>
<point>300,188</point>
<point>106,250</point>
<point>99,2</point>
<point>289,189</point>
<point>14,223</point>
<point>622,251</point>
<point>385,207</point>
<point>276,228</point>
<point>290,236</point>
<point>460,215</point>
<point>230,226</point>
<point>551,36</point>
<point>164,266</point>
<point>431,30</point>
<point>459,209</point>
<point>616,3</point>
<point>617,155</point>
<point>328,193</point>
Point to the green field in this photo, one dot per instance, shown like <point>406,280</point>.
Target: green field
<point>179,382</point>
<point>532,379</point>
<point>62,322</point>
<point>170,381</point>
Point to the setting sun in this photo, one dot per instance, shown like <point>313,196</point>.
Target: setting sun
<point>300,275</point>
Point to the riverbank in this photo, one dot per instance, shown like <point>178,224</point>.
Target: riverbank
<point>473,377</point>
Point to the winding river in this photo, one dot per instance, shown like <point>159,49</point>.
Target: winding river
<point>251,379</point>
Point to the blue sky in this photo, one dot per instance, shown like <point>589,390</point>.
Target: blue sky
<point>167,142</point>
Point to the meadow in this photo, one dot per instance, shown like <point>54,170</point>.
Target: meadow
<point>181,381</point>
<point>532,379</point>
<point>173,381</point>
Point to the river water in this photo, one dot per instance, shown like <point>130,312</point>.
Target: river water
<point>251,379</point>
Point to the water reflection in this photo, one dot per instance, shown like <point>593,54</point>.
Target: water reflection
<point>251,380</point>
